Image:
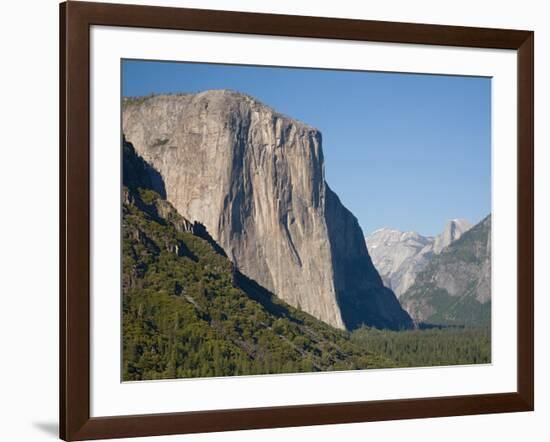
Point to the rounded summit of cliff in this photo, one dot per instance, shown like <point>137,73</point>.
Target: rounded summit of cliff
<point>215,101</point>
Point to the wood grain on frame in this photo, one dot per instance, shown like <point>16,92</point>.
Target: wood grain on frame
<point>75,21</point>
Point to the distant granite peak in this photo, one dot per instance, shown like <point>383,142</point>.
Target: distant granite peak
<point>399,256</point>
<point>453,230</point>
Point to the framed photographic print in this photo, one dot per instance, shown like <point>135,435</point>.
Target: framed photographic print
<point>275,220</point>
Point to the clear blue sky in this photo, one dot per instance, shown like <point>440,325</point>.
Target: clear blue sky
<point>401,150</point>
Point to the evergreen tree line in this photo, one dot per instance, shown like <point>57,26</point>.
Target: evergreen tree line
<point>429,346</point>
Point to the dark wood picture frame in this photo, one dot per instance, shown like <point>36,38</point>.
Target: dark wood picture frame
<point>75,21</point>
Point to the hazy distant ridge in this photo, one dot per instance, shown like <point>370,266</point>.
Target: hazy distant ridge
<point>399,256</point>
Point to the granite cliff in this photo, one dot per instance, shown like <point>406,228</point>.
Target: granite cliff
<point>256,180</point>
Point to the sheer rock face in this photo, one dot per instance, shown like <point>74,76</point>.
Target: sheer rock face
<point>454,229</point>
<point>400,256</point>
<point>255,179</point>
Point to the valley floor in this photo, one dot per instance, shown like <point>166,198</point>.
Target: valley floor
<point>429,346</point>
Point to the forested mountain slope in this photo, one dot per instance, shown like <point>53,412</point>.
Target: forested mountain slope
<point>188,312</point>
<point>455,286</point>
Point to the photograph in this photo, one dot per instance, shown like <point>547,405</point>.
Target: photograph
<point>286,220</point>
<point>298,221</point>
